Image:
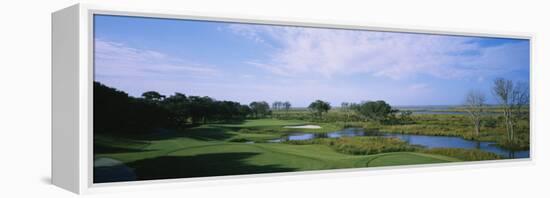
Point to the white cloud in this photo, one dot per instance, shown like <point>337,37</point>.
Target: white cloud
<point>331,52</point>
<point>419,87</point>
<point>121,60</point>
<point>247,31</point>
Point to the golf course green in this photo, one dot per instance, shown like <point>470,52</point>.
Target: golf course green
<point>209,150</point>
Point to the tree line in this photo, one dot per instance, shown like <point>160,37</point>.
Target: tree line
<point>116,111</point>
<point>377,111</point>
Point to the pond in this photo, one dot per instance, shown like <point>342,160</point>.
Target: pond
<point>423,140</point>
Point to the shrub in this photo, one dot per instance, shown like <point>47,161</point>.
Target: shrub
<point>490,122</point>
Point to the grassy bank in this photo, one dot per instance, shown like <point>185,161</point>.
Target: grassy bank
<point>183,157</point>
<point>210,150</point>
<point>463,154</point>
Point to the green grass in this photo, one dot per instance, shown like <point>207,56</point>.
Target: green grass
<point>268,125</point>
<point>211,150</point>
<point>225,149</point>
<point>463,154</point>
<point>406,158</point>
<point>253,137</point>
<point>264,123</point>
<point>184,157</point>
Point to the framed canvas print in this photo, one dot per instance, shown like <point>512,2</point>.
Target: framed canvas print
<point>141,96</point>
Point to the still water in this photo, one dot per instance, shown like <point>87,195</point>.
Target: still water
<point>423,140</point>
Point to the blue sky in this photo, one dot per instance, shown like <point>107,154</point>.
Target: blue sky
<point>249,62</point>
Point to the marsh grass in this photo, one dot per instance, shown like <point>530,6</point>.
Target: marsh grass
<point>421,124</point>
<point>463,154</point>
<point>360,145</point>
<point>459,126</point>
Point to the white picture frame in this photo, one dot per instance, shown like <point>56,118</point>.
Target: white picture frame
<point>72,105</point>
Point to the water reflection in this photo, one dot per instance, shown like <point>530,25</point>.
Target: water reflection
<point>423,140</point>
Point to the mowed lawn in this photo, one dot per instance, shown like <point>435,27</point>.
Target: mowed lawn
<point>208,151</point>
<point>264,123</point>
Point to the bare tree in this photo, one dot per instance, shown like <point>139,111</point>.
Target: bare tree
<point>345,107</point>
<point>475,101</point>
<point>286,106</point>
<point>520,96</point>
<point>512,98</point>
<point>276,106</point>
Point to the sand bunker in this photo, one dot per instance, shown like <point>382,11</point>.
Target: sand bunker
<point>304,127</point>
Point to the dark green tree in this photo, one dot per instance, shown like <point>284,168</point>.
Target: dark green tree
<point>260,109</point>
<point>318,108</point>
<point>153,96</point>
<point>177,104</point>
<point>375,110</point>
